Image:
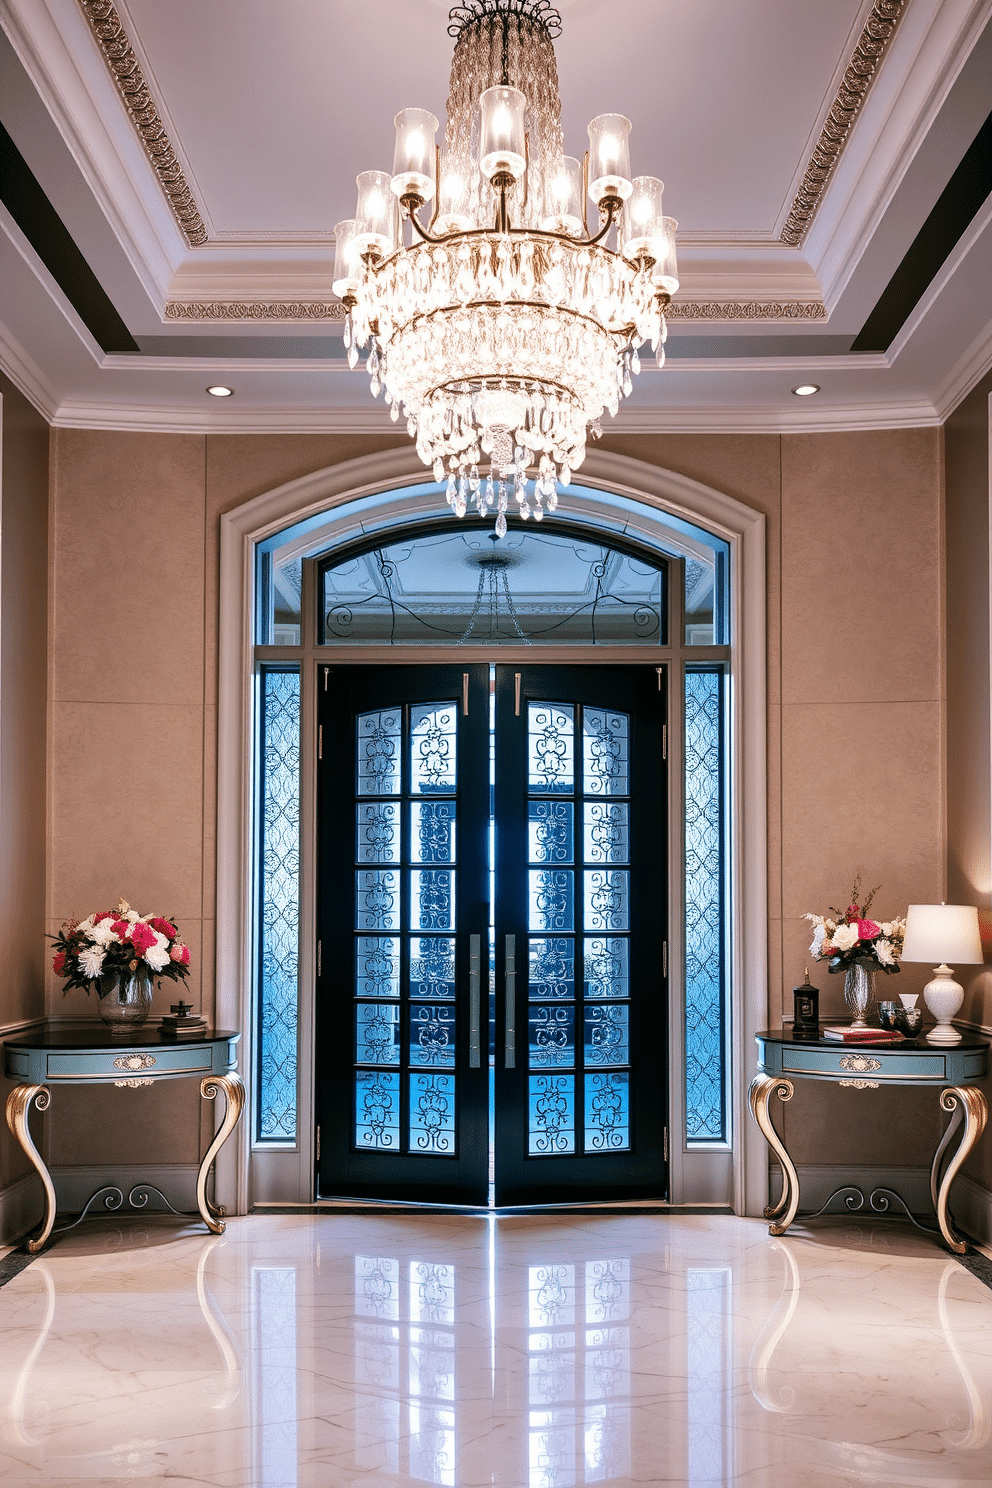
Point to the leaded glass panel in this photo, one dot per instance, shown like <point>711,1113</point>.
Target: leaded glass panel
<point>607,1040</point>
<point>550,831</point>
<point>552,1114</point>
<point>552,896</point>
<point>704,939</point>
<point>607,898</point>
<point>377,897</point>
<point>378,832</point>
<point>377,970</point>
<point>379,752</point>
<point>606,832</point>
<point>432,899</point>
<point>606,958</point>
<point>377,1033</point>
<point>433,764</point>
<point>432,1113</point>
<point>552,968</point>
<point>551,748</point>
<point>279,900</point>
<point>432,966</point>
<point>432,831</point>
<point>607,1112</point>
<point>552,1035</point>
<point>606,750</point>
<point>377,1110</point>
<point>432,1035</point>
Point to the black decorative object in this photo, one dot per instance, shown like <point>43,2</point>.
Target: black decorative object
<point>806,1017</point>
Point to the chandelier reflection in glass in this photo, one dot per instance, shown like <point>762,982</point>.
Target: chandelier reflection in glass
<point>504,330</point>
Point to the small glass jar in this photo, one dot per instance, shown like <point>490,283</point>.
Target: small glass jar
<point>609,157</point>
<point>564,195</point>
<point>642,218</point>
<point>347,258</point>
<point>376,214</point>
<point>502,148</point>
<point>414,156</point>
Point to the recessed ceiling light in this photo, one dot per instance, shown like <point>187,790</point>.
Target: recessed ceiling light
<point>806,389</point>
<point>220,392</point>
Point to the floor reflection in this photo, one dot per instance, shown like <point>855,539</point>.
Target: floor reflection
<point>520,1352</point>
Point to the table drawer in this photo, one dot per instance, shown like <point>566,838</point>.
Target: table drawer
<point>96,1064</point>
<point>847,1062</point>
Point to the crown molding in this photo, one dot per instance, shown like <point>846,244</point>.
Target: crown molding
<point>26,376</point>
<point>965,374</point>
<point>857,79</point>
<point>200,311</point>
<point>763,310</point>
<point>118,53</point>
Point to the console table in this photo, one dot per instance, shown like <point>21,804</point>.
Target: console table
<point>51,1055</point>
<point>952,1070</point>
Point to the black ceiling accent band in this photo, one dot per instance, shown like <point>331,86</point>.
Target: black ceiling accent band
<point>50,238</point>
<point>960,199</point>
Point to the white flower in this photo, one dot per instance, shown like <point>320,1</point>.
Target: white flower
<point>816,919</point>
<point>156,957</point>
<point>819,936</point>
<point>132,916</point>
<point>91,961</point>
<point>86,925</point>
<point>830,926</point>
<point>883,950</point>
<point>845,936</point>
<point>162,941</point>
<point>102,934</point>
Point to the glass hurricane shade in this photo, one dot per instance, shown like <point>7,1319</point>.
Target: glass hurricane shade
<point>347,258</point>
<point>376,213</point>
<point>942,933</point>
<point>502,147</point>
<point>609,157</point>
<point>453,213</point>
<point>665,270</point>
<point>414,158</point>
<point>565,188</point>
<point>643,219</point>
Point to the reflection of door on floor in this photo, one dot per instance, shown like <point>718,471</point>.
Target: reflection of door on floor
<point>573,798</point>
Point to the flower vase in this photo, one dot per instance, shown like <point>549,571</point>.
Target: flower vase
<point>859,994</point>
<point>125,1002</point>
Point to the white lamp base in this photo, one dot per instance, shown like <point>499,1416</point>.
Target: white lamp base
<point>943,996</point>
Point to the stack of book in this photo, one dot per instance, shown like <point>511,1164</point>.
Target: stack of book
<point>843,1033</point>
<point>183,1023</point>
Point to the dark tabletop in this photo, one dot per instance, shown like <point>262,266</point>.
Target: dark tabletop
<point>98,1036</point>
<point>785,1035</point>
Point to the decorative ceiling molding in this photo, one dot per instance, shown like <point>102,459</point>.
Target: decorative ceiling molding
<point>200,310</point>
<point>109,32</point>
<point>206,310</point>
<point>875,37</point>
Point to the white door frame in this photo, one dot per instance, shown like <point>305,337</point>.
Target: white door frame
<point>362,491</point>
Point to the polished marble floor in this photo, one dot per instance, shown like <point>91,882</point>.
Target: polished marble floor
<point>317,1351</point>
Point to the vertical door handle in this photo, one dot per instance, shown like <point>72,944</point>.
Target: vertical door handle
<point>474,995</point>
<point>510,1046</point>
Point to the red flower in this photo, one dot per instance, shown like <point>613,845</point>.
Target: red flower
<point>142,936</point>
<point>853,913</point>
<point>184,957</point>
<point>121,928</point>
<point>58,963</point>
<point>164,928</point>
<point>867,929</point>
<point>103,915</point>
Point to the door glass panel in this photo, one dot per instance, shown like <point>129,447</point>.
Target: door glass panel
<point>432,831</point>
<point>377,1110</point>
<point>552,1115</point>
<point>551,899</point>
<point>432,1036</point>
<point>432,966</point>
<point>378,900</point>
<point>607,1112</point>
<point>376,1040</point>
<point>552,968</point>
<point>606,966</point>
<point>607,899</point>
<point>377,966</point>
<point>379,752</point>
<point>552,1035</point>
<point>378,832</point>
<point>551,748</point>
<point>607,832</point>
<point>432,899</point>
<point>606,1034</point>
<point>432,748</point>
<point>432,1114</point>
<point>550,829</point>
<point>605,740</point>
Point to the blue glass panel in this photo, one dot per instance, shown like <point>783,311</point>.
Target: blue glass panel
<point>704,948</point>
<point>552,968</point>
<point>279,895</point>
<point>377,832</point>
<point>379,752</point>
<point>433,740</point>
<point>376,1033</point>
<point>552,1035</point>
<point>552,1114</point>
<point>606,834</point>
<point>607,898</point>
<point>377,969</point>
<point>432,832</point>
<point>377,899</point>
<point>606,966</point>
<point>377,1110</point>
<point>432,899</point>
<point>550,831</point>
<point>432,966</point>
<point>432,1035</point>
<point>606,1034</point>
<point>552,899</point>
<point>432,1114</point>
<point>551,748</point>
<point>606,749</point>
<point>607,1112</point>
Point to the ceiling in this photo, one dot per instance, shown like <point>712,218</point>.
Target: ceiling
<point>170,225</point>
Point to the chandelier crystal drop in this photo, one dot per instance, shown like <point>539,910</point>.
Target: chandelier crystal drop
<point>504,330</point>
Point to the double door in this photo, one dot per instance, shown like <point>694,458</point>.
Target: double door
<point>492,972</point>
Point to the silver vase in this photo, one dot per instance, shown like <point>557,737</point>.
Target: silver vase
<point>859,994</point>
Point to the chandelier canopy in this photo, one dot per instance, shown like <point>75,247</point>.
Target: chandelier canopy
<point>504,329</point>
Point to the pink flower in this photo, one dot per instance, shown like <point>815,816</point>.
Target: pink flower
<point>58,963</point>
<point>103,915</point>
<point>142,936</point>
<point>184,955</point>
<point>867,929</point>
<point>853,913</point>
<point>164,928</point>
<point>120,929</point>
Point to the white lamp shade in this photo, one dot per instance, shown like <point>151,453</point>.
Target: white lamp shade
<point>943,933</point>
<point>414,160</point>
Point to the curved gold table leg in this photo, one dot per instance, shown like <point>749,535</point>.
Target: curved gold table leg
<point>234,1090</point>
<point>18,1108</point>
<point>938,1157</point>
<point>760,1093</point>
<point>973,1104</point>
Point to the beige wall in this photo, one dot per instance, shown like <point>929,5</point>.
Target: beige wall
<point>23,693</point>
<point>969,765</point>
<point>855,685</point>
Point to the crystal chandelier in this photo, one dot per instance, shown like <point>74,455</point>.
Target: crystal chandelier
<point>504,329</point>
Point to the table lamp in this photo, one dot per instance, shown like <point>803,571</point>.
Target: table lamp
<point>943,933</point>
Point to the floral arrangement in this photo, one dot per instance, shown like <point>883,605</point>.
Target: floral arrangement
<point>849,938</point>
<point>115,943</point>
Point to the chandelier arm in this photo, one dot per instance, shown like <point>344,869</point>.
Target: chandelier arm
<point>613,204</point>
